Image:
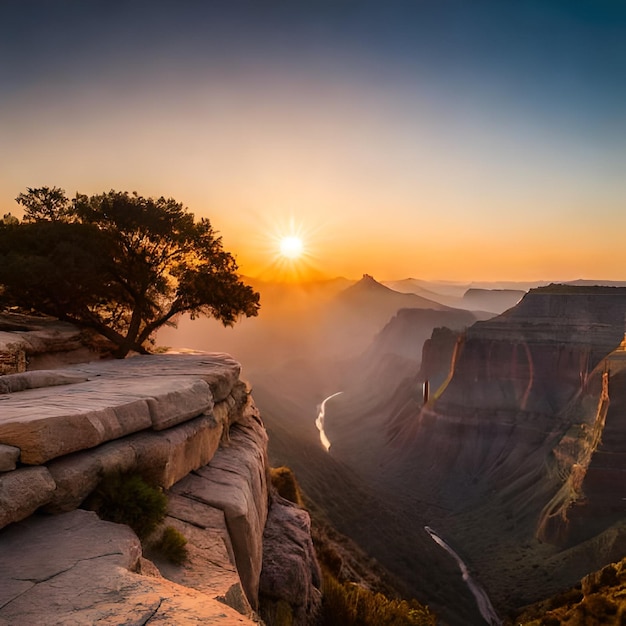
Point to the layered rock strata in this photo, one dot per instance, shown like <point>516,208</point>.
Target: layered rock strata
<point>186,423</point>
<point>517,455</point>
<point>30,342</point>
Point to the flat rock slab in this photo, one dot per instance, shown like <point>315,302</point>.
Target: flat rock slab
<point>120,397</point>
<point>54,421</point>
<point>76,569</point>
<point>218,369</point>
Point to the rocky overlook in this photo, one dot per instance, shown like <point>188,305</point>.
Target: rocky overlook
<point>189,424</point>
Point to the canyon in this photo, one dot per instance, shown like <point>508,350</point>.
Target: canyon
<point>517,457</point>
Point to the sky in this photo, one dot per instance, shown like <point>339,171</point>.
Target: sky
<point>437,139</point>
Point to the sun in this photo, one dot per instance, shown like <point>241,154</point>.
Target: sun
<point>291,247</point>
<point>291,250</point>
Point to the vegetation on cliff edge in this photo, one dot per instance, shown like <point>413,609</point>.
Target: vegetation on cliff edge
<point>600,599</point>
<point>346,602</point>
<point>128,499</point>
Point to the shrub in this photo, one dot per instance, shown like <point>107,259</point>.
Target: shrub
<point>172,545</point>
<point>349,604</point>
<point>277,613</point>
<point>285,483</point>
<point>329,558</point>
<point>600,607</point>
<point>128,499</point>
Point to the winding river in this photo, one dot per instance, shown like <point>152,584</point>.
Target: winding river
<point>319,422</point>
<point>482,600</point>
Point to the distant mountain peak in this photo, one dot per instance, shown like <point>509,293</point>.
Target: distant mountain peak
<point>369,283</point>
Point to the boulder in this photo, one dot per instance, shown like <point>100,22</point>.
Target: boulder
<point>9,456</point>
<point>22,492</point>
<point>290,572</point>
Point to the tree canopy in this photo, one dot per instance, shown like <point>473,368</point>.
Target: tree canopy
<point>119,264</point>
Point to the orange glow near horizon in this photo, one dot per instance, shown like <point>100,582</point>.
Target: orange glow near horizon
<point>279,249</point>
<point>398,141</point>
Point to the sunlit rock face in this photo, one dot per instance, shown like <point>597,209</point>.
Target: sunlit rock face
<point>515,455</point>
<point>502,408</point>
<point>534,357</point>
<point>514,376</point>
<point>591,458</point>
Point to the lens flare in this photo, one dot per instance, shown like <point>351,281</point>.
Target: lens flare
<point>291,247</point>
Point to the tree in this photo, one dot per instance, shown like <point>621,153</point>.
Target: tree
<point>44,203</point>
<point>118,263</point>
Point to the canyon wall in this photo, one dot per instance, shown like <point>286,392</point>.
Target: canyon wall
<point>516,458</point>
<point>184,422</point>
<point>521,384</point>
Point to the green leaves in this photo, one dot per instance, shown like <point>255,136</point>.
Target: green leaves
<point>118,263</point>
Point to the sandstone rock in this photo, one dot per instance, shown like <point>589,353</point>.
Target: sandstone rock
<point>171,399</point>
<point>210,566</point>
<point>12,360</point>
<point>188,398</point>
<point>50,422</point>
<point>219,370</point>
<point>290,569</point>
<point>166,456</point>
<point>22,492</point>
<point>9,456</point>
<point>37,342</point>
<point>162,457</point>
<point>77,569</point>
<point>38,378</point>
<point>236,482</point>
<point>75,476</point>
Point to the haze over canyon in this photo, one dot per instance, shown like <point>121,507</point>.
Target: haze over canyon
<point>514,458</point>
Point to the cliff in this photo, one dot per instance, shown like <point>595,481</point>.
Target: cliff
<point>186,423</point>
<point>517,456</point>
